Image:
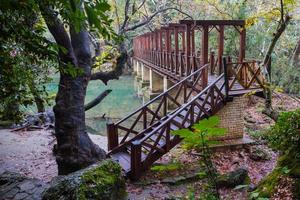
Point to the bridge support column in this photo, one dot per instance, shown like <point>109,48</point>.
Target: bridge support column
<point>156,83</point>
<point>145,75</point>
<point>168,84</point>
<point>138,69</point>
<point>134,63</point>
<point>231,117</point>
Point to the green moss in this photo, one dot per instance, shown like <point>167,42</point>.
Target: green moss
<point>296,189</point>
<point>267,186</point>
<point>168,167</point>
<point>287,165</point>
<point>103,182</point>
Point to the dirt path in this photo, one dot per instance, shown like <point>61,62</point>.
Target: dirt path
<point>30,152</point>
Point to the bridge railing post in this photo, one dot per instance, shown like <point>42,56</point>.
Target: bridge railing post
<point>212,62</point>
<point>226,82</point>
<point>112,136</point>
<point>136,160</point>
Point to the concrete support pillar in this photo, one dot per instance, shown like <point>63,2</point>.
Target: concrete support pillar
<point>145,75</point>
<point>167,85</point>
<point>138,71</point>
<point>156,82</point>
<point>134,63</point>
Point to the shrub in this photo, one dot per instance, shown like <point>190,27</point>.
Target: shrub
<point>285,134</point>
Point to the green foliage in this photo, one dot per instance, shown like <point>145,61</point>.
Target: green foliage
<point>200,137</point>
<point>25,59</point>
<point>99,182</point>
<point>203,133</point>
<point>27,52</point>
<point>285,134</point>
<point>168,167</point>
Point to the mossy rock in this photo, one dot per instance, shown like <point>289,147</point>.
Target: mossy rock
<point>234,178</point>
<point>266,187</point>
<point>291,163</point>
<point>258,154</point>
<point>103,181</point>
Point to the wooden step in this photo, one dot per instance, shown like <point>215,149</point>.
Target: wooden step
<point>179,120</point>
<point>123,158</point>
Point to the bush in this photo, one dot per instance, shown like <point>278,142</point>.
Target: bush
<point>285,134</point>
<point>285,137</point>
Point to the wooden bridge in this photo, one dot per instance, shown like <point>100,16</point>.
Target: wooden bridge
<point>203,83</point>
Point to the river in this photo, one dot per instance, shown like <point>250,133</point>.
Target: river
<point>121,101</point>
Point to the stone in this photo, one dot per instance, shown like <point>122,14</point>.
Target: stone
<point>258,154</point>
<point>21,195</point>
<point>249,119</point>
<point>26,186</point>
<point>233,178</point>
<point>16,186</point>
<point>102,180</point>
<point>11,193</point>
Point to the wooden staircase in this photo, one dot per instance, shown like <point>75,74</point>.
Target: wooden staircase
<point>145,135</point>
<point>148,135</point>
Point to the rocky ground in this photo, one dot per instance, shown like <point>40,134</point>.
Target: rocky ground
<point>30,153</point>
<point>177,183</point>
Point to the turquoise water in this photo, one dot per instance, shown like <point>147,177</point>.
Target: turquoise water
<point>121,101</point>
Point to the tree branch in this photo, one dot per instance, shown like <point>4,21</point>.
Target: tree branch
<point>97,100</point>
<point>126,18</point>
<point>142,23</point>
<point>114,74</point>
<point>59,33</point>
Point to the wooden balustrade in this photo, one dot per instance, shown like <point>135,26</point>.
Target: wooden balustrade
<point>246,75</point>
<point>153,111</point>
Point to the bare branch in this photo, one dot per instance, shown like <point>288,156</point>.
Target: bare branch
<point>126,18</point>
<point>142,23</point>
<point>97,100</point>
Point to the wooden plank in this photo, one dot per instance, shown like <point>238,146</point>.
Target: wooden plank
<point>123,158</point>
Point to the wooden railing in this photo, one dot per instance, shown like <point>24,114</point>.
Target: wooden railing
<point>153,138</point>
<point>245,75</point>
<point>145,134</point>
<point>152,112</point>
<point>178,64</point>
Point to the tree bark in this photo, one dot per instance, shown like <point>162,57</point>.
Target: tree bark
<point>74,149</point>
<point>267,69</point>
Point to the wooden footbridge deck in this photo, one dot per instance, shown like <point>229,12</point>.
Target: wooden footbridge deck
<point>203,84</point>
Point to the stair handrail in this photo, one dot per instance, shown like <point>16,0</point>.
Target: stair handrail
<point>179,110</point>
<point>162,94</point>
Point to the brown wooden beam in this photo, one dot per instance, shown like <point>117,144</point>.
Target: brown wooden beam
<point>220,48</point>
<point>188,50</point>
<point>242,44</point>
<point>214,22</point>
<point>176,49</point>
<point>204,55</point>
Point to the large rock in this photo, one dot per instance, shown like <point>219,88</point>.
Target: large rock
<point>16,186</point>
<point>99,181</point>
<point>233,178</point>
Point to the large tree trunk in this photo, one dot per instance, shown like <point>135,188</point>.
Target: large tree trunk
<point>75,150</point>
